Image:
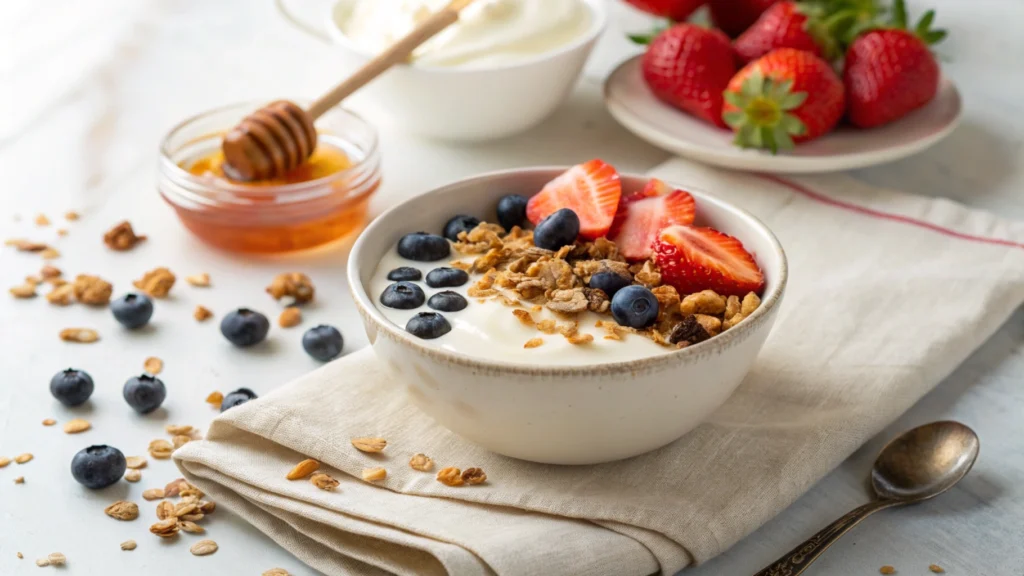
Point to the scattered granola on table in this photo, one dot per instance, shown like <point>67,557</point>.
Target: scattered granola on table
<point>290,317</point>
<point>369,445</point>
<point>71,216</point>
<point>157,282</point>
<point>153,365</point>
<point>76,426</point>
<point>303,469</point>
<point>203,548</point>
<point>122,237</point>
<point>42,220</point>
<point>215,398</point>
<point>324,482</point>
<point>202,313</point>
<point>23,458</point>
<point>26,290</point>
<point>49,253</point>
<point>80,335</point>
<point>450,476</point>
<point>421,462</point>
<point>374,474</point>
<point>122,510</point>
<point>61,295</point>
<point>132,475</point>
<point>295,285</point>
<point>19,480</point>
<point>49,422</point>
<point>199,280</point>
<point>474,476</point>
<point>128,545</point>
<point>92,290</point>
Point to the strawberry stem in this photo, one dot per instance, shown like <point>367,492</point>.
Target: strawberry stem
<point>763,117</point>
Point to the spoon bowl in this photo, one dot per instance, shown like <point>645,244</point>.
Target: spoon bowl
<point>924,462</point>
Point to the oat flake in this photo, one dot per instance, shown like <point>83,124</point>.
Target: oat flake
<point>76,426</point>
<point>370,445</point>
<point>421,462</point>
<point>374,474</point>
<point>303,469</point>
<point>136,462</point>
<point>80,335</point>
<point>122,510</point>
<point>4,461</point>
<point>128,545</point>
<point>49,422</point>
<point>23,458</point>
<point>203,548</point>
<point>153,365</point>
<point>132,475</point>
<point>153,494</point>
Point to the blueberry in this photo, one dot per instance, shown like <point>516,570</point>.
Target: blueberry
<point>71,387</point>
<point>609,282</point>
<point>557,230</point>
<point>460,223</point>
<point>446,277</point>
<point>236,398</point>
<point>403,296</point>
<point>428,325</point>
<point>132,310</point>
<point>244,327</point>
<point>144,393</point>
<point>323,342</point>
<point>98,466</point>
<point>512,211</point>
<point>447,301</point>
<point>423,247</point>
<point>405,274</point>
<point>635,306</point>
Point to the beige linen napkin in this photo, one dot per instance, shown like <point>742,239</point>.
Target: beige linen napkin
<point>888,293</point>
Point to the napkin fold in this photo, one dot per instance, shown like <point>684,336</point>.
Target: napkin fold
<point>888,293</point>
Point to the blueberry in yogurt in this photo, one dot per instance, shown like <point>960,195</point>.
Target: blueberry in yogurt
<point>423,247</point>
<point>446,277</point>
<point>428,325</point>
<point>557,230</point>
<point>609,282</point>
<point>405,274</point>
<point>512,211</point>
<point>447,301</point>
<point>403,296</point>
<point>635,306</point>
<point>460,223</point>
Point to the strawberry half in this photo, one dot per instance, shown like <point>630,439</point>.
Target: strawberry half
<point>591,190</point>
<point>694,259</point>
<point>642,215</point>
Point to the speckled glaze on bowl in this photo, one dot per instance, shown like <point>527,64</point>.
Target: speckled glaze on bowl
<point>553,414</point>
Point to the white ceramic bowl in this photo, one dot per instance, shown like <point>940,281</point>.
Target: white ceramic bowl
<point>469,104</point>
<point>551,414</point>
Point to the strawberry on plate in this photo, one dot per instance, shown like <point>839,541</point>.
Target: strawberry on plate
<point>694,259</point>
<point>592,190</point>
<point>642,216</point>
<point>688,67</point>
<point>786,25</point>
<point>677,10</point>
<point>734,16</point>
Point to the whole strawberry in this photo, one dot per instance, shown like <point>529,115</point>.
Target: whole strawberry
<point>891,72</point>
<point>677,10</point>
<point>734,16</point>
<point>783,97</point>
<point>787,25</point>
<point>688,67</point>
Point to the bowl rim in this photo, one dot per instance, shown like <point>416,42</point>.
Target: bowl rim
<point>368,310</point>
<point>596,7</point>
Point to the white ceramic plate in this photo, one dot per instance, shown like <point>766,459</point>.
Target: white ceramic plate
<point>632,104</point>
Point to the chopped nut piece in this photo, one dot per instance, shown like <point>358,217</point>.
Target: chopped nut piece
<point>76,426</point>
<point>215,398</point>
<point>524,317</point>
<point>4,461</point>
<point>128,545</point>
<point>290,316</point>
<point>19,555</point>
<point>705,302</point>
<point>166,528</point>
<point>157,282</point>
<point>191,527</point>
<point>154,366</point>
<point>122,237</point>
<point>533,343</point>
<point>199,280</point>
<point>450,476</point>
<point>92,290</point>
<point>732,307</point>
<point>374,474</point>
<point>153,494</point>
<point>711,324</point>
<point>136,462</point>
<point>202,313</point>
<point>294,284</point>
<point>42,220</point>
<point>26,290</point>
<point>547,326</point>
<point>132,475</point>
<point>165,510</point>
<point>750,303</point>
<point>324,482</point>
<point>122,510</point>
<point>50,271</point>
<point>71,216</point>
<point>49,422</point>
<point>474,476</point>
<point>180,440</point>
<point>203,548</point>
<point>23,458</point>
<point>370,445</point>
<point>178,429</point>
<point>19,480</point>
<point>421,462</point>
<point>160,449</point>
<point>61,295</point>
<point>887,570</point>
<point>936,569</point>
<point>303,469</point>
<point>49,254</point>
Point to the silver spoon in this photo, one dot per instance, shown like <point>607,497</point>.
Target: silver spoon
<point>919,464</point>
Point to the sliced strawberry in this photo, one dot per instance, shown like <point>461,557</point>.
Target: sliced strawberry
<point>591,190</point>
<point>642,215</point>
<point>694,259</point>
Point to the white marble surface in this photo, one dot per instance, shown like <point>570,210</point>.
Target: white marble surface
<point>88,88</point>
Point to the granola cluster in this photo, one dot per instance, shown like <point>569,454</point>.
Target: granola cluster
<point>526,278</point>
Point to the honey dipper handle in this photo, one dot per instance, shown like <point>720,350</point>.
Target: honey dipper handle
<point>394,54</point>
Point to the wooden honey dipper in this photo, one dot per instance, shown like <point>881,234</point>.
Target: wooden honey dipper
<point>280,136</point>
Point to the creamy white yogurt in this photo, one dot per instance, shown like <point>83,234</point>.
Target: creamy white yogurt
<point>489,33</point>
<point>489,330</point>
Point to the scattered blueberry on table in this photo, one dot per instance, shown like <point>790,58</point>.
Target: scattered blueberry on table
<point>403,296</point>
<point>98,466</point>
<point>71,387</point>
<point>423,247</point>
<point>244,327</point>
<point>144,393</point>
<point>428,325</point>
<point>460,223</point>
<point>237,398</point>
<point>559,229</point>
<point>635,306</point>
<point>446,277</point>
<point>323,342</point>
<point>405,274</point>
<point>447,301</point>
<point>132,310</point>
<point>609,282</point>
<point>512,211</point>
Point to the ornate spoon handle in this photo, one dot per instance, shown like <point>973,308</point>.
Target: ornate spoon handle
<point>801,557</point>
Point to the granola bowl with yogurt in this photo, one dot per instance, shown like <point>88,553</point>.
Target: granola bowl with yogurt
<point>567,316</point>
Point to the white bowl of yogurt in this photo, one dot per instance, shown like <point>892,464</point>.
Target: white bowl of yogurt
<point>504,67</point>
<point>557,403</point>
